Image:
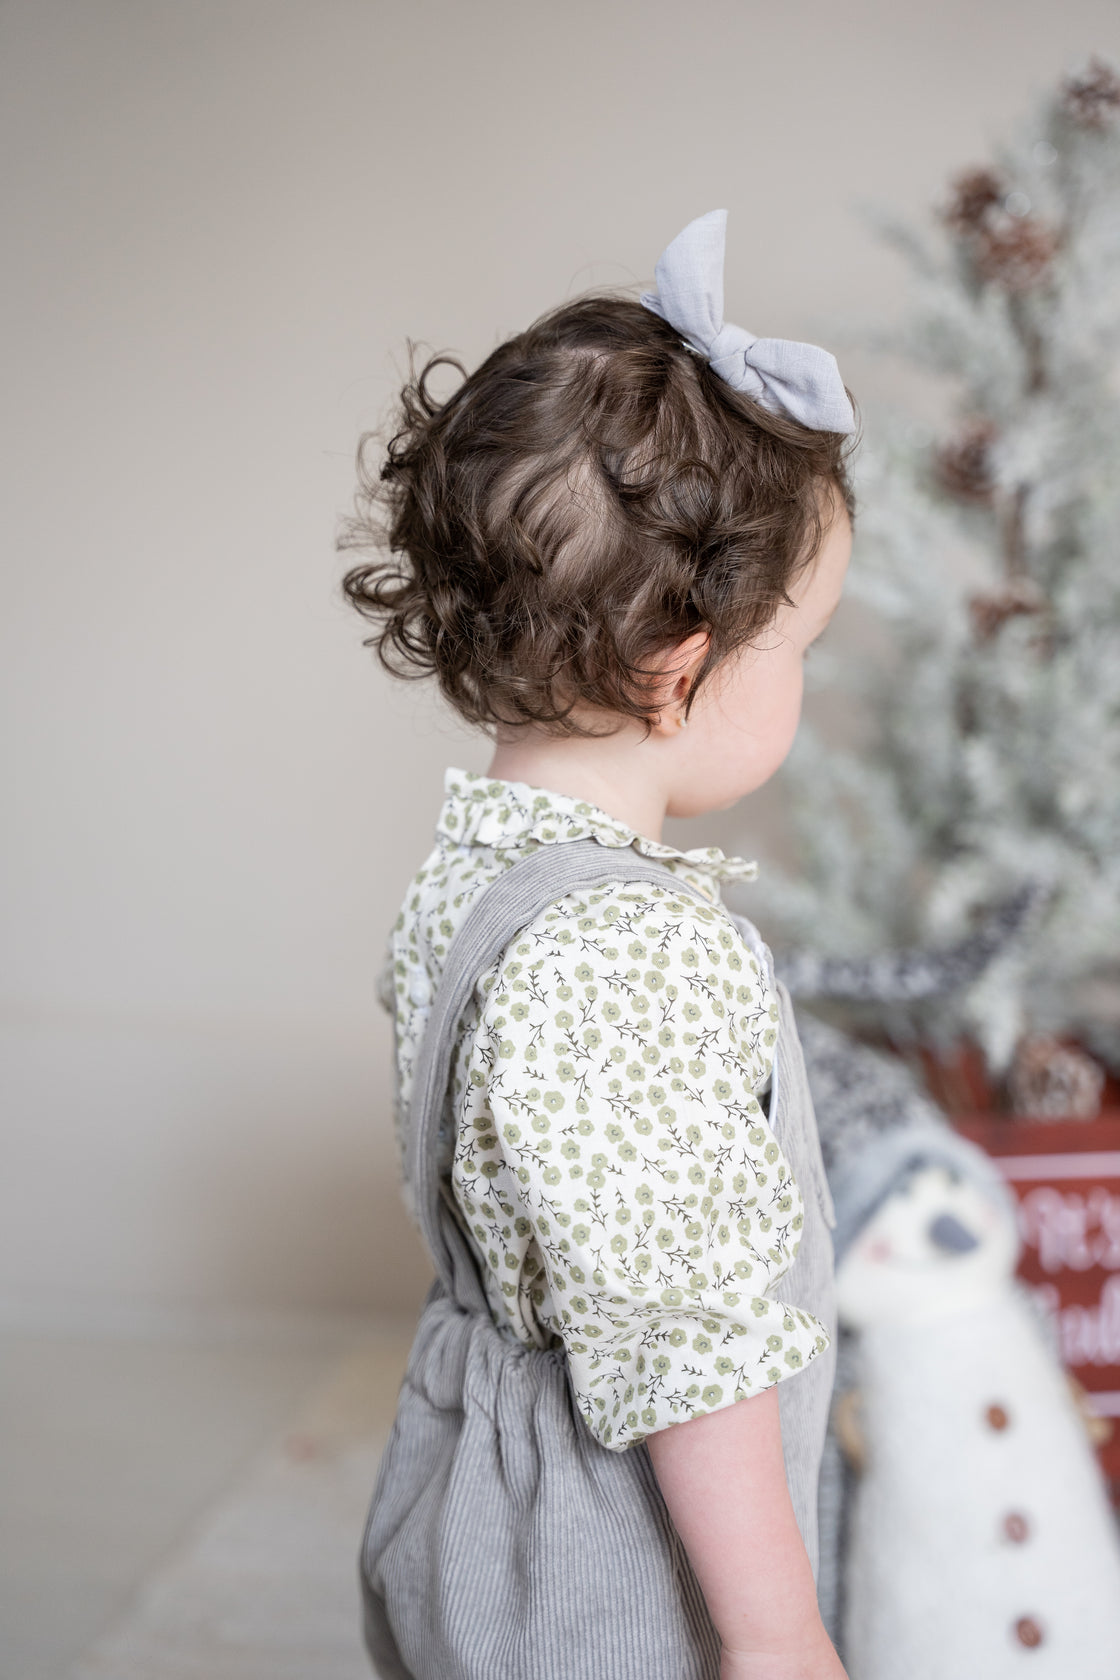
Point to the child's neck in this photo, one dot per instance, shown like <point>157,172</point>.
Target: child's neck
<point>610,771</point>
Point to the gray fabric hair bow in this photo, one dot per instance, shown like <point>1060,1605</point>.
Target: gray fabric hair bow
<point>800,380</point>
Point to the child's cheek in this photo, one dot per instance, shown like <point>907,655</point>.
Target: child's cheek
<point>757,750</point>
<point>785,714</point>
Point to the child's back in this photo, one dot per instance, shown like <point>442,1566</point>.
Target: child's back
<point>627,1245</point>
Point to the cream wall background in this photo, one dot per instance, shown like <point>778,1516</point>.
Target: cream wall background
<point>222,221</point>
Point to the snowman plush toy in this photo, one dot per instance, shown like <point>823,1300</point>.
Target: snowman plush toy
<point>971,1538</point>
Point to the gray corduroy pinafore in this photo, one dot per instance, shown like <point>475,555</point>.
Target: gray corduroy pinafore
<point>504,1542</point>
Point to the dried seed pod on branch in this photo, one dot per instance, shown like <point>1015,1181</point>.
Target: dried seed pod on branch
<point>1091,98</point>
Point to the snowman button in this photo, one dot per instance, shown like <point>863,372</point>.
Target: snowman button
<point>1016,1527</point>
<point>996,1417</point>
<point>1028,1632</point>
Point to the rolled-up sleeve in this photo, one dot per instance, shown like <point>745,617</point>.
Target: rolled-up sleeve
<point>618,1171</point>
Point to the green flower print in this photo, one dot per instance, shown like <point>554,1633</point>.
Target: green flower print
<point>609,1153</point>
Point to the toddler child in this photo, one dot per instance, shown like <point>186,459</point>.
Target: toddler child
<point>612,546</point>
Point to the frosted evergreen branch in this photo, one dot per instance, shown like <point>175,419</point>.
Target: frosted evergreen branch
<point>919,972</point>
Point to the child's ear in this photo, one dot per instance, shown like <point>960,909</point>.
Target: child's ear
<point>678,666</point>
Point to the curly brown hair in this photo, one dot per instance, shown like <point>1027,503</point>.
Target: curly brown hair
<point>585,500</point>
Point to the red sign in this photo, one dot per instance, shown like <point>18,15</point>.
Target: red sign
<point>1066,1177</point>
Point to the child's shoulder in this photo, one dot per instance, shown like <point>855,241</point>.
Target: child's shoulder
<point>620,977</point>
<point>629,933</point>
<point>637,931</point>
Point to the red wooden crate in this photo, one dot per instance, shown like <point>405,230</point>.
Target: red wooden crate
<point>1065,1175</point>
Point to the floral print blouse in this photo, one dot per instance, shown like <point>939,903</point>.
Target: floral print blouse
<point>611,1158</point>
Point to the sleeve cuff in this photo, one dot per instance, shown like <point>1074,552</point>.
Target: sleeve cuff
<point>682,1362</point>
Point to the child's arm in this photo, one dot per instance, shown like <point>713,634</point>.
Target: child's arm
<point>723,1480</point>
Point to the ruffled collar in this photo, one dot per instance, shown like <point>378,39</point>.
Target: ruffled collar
<point>480,811</point>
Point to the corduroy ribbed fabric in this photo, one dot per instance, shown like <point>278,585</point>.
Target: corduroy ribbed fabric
<point>504,1542</point>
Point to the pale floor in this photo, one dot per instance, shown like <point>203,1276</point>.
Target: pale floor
<point>176,1505</point>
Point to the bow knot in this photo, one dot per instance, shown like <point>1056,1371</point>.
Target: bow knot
<point>729,354</point>
<point>780,374</point>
